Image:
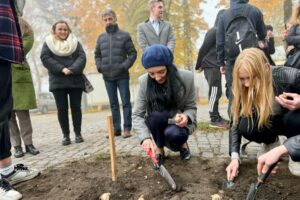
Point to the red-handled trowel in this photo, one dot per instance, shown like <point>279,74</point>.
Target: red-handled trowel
<point>162,170</point>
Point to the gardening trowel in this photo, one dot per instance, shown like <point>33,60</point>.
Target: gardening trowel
<point>260,180</point>
<point>162,170</point>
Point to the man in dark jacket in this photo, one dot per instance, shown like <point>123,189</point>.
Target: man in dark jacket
<point>237,7</point>
<point>11,51</point>
<point>114,55</point>
<point>269,44</point>
<point>207,61</point>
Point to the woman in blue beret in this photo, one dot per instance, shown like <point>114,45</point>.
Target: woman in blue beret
<point>165,109</point>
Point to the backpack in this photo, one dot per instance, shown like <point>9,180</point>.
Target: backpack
<point>239,34</point>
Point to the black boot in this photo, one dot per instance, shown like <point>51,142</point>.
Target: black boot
<point>66,140</point>
<point>31,149</point>
<point>19,152</point>
<point>78,138</point>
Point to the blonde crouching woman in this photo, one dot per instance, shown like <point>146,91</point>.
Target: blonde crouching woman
<point>257,116</point>
<point>65,59</point>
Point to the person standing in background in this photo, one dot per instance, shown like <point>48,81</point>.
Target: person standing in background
<point>115,54</point>
<point>65,59</point>
<point>24,98</point>
<point>154,30</point>
<point>207,62</point>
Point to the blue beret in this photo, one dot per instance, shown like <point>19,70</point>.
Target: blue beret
<point>157,55</point>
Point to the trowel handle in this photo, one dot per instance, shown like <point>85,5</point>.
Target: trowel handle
<point>264,176</point>
<point>153,158</point>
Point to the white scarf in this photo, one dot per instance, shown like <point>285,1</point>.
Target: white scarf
<point>62,47</point>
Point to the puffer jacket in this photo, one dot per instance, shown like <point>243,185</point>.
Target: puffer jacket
<point>114,54</point>
<point>285,79</point>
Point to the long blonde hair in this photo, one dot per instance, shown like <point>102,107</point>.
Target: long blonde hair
<point>259,96</point>
<point>295,19</point>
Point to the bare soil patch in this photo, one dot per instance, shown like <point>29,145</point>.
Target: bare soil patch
<point>87,179</point>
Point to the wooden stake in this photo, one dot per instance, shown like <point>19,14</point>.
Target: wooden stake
<point>112,148</point>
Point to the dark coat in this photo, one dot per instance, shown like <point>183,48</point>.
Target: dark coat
<point>11,48</point>
<point>22,86</point>
<point>237,7</point>
<point>293,37</point>
<point>207,57</point>
<point>114,54</point>
<point>75,62</point>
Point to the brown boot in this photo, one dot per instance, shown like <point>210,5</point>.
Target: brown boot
<point>126,134</point>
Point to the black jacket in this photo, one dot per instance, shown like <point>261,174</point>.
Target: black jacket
<point>207,56</point>
<point>293,37</point>
<point>237,7</point>
<point>114,54</point>
<point>269,49</point>
<point>285,79</point>
<point>75,62</point>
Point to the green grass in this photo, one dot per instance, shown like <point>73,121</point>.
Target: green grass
<point>204,128</point>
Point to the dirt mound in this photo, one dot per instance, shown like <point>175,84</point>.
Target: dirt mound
<point>88,179</point>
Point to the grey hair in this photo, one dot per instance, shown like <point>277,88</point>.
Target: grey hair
<point>151,2</point>
<point>109,11</point>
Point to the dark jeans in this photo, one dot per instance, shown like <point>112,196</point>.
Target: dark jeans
<point>214,80</point>
<point>165,134</point>
<point>5,108</point>
<point>112,91</point>
<point>61,99</point>
<point>228,85</point>
<point>286,124</point>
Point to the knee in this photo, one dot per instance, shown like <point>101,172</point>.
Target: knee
<point>176,135</point>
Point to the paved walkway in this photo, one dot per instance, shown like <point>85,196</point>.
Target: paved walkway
<point>47,138</point>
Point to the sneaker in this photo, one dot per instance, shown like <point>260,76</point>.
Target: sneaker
<point>126,134</point>
<point>20,174</point>
<point>18,152</point>
<point>185,153</point>
<point>66,141</point>
<point>7,192</point>
<point>220,123</point>
<point>79,139</point>
<point>294,167</point>
<point>267,147</point>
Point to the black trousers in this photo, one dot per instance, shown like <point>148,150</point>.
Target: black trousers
<point>228,85</point>
<point>5,108</point>
<point>61,99</point>
<point>287,124</point>
<point>214,80</point>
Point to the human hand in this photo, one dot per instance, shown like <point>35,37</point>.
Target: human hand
<point>261,44</point>
<point>148,144</point>
<point>290,101</point>
<point>66,71</point>
<point>222,69</point>
<point>183,120</point>
<point>232,169</point>
<point>269,158</point>
<point>199,70</point>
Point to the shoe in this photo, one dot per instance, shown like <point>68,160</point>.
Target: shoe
<point>78,139</point>
<point>264,148</point>
<point>294,167</point>
<point>118,133</point>
<point>7,192</point>
<point>66,141</point>
<point>20,174</point>
<point>31,149</point>
<point>126,134</point>
<point>185,153</point>
<point>220,123</point>
<point>18,152</point>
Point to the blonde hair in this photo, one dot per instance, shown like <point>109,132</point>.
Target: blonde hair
<point>295,19</point>
<point>259,96</point>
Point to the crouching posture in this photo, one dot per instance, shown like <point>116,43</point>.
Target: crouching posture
<point>165,108</point>
<point>257,116</point>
